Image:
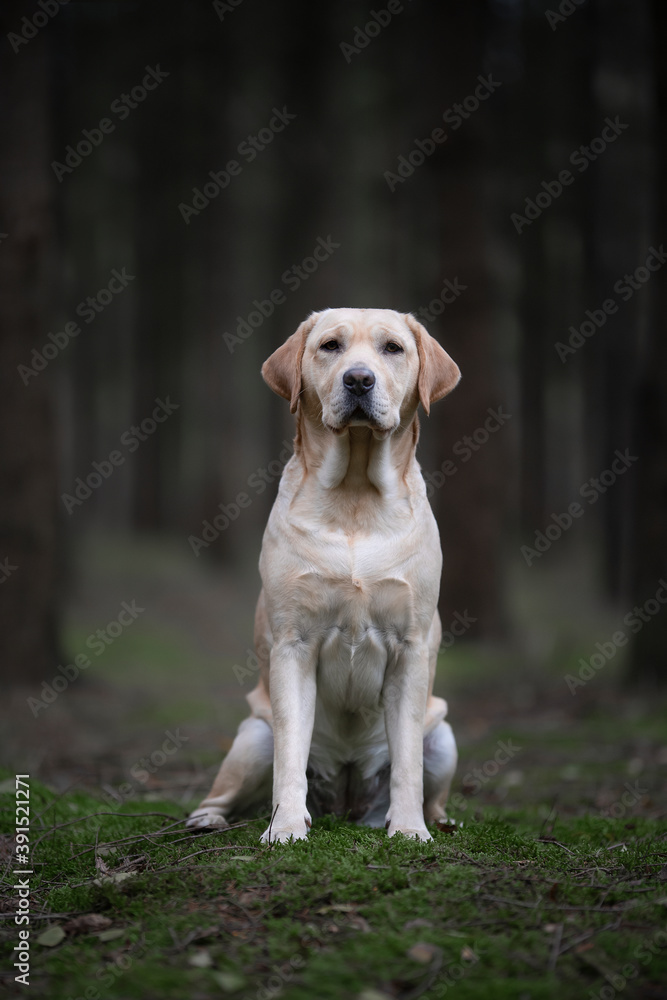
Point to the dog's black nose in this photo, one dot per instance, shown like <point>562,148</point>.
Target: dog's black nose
<point>358,380</point>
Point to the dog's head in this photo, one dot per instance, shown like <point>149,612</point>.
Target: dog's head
<point>361,367</point>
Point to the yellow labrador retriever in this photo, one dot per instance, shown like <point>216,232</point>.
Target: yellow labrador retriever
<point>347,630</point>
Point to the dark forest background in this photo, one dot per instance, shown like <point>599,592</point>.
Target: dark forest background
<point>360,99</point>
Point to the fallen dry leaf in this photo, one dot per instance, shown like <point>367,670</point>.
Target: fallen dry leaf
<point>423,952</point>
<point>114,879</point>
<point>86,924</point>
<point>230,982</point>
<point>201,959</point>
<point>52,936</point>
<point>419,922</point>
<point>110,935</point>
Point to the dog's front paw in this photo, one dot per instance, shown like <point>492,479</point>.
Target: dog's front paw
<point>417,833</point>
<point>283,828</point>
<point>207,817</point>
<point>415,829</point>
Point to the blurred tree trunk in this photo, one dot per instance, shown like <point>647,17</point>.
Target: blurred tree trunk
<point>158,355</point>
<point>620,192</point>
<point>28,518</point>
<point>649,544</point>
<point>470,506</point>
<point>534,337</point>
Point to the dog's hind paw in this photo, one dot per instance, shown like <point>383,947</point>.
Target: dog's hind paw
<point>207,817</point>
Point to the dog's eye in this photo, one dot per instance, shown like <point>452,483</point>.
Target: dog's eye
<point>393,348</point>
<point>330,345</point>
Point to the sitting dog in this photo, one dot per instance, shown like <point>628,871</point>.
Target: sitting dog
<point>347,631</point>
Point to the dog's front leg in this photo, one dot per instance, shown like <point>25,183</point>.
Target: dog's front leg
<point>293,691</point>
<point>404,697</point>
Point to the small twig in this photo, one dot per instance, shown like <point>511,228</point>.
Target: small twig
<point>160,833</point>
<point>97,837</point>
<point>555,949</point>
<point>81,819</point>
<point>589,934</point>
<point>137,836</point>
<point>513,902</point>
<point>155,871</point>
<point>169,868</point>
<point>557,843</point>
<point>566,906</point>
<point>470,860</point>
<point>262,870</point>
<point>223,847</point>
<point>552,811</point>
<point>271,822</point>
<point>209,850</point>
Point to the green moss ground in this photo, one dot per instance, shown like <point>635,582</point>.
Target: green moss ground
<point>520,901</point>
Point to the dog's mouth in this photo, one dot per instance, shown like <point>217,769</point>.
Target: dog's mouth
<point>359,416</point>
<point>357,413</point>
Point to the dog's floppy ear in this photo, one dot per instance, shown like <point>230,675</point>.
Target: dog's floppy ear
<point>282,371</point>
<point>438,374</point>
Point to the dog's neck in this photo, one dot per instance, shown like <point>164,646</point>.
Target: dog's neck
<point>357,457</point>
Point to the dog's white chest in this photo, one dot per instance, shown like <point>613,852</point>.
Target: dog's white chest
<point>363,610</point>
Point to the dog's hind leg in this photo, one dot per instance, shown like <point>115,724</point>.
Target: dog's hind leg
<point>440,758</point>
<point>244,778</point>
<point>440,753</point>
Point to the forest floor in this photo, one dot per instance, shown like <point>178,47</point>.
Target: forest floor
<point>551,880</point>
